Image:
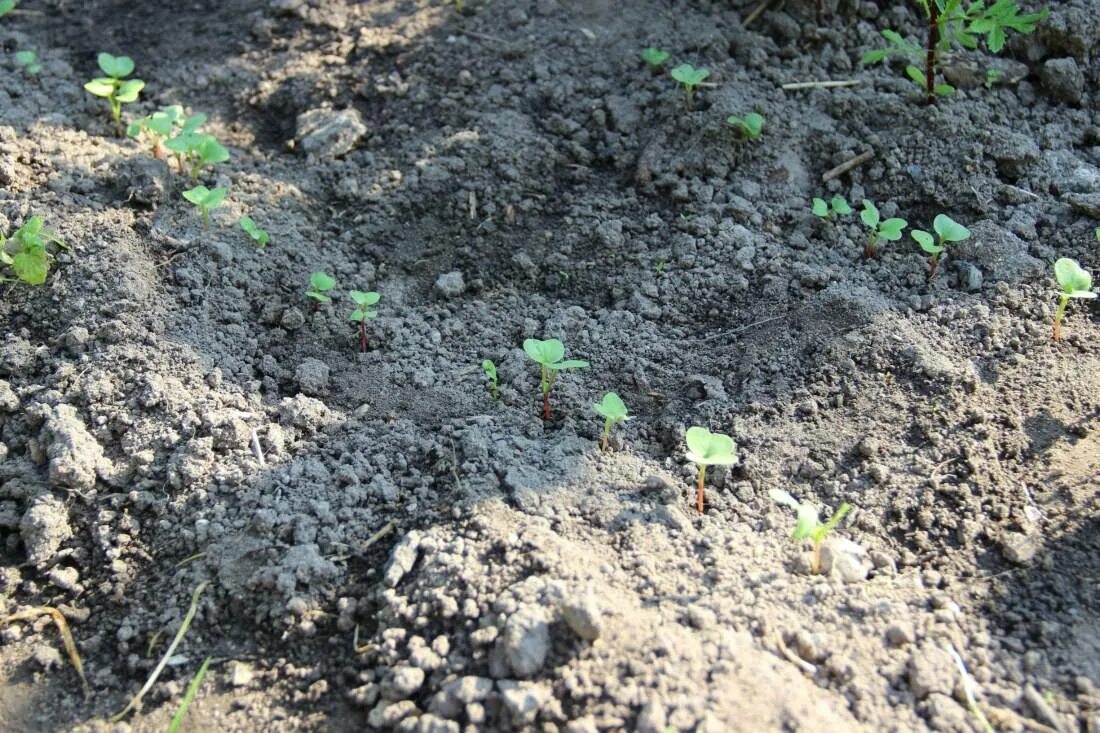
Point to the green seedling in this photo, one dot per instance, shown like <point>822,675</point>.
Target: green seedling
<point>259,236</point>
<point>550,356</point>
<point>689,78</point>
<point>158,126</point>
<point>27,253</point>
<point>808,526</point>
<point>199,150</point>
<point>890,229</point>
<point>947,231</point>
<point>654,57</point>
<point>950,23</point>
<point>613,410</point>
<point>29,61</point>
<point>490,370</point>
<point>207,199</point>
<point>837,205</point>
<point>6,6</point>
<point>320,283</point>
<point>363,313</point>
<point>708,449</point>
<point>115,87</point>
<point>750,127</point>
<point>1076,282</point>
<point>186,139</point>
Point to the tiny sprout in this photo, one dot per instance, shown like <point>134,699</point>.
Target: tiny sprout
<point>1076,282</point>
<point>750,127</point>
<point>889,230</point>
<point>708,449</point>
<point>259,236</point>
<point>207,199</point>
<point>550,356</point>
<point>6,6</point>
<point>25,251</point>
<point>689,77</point>
<point>947,231</point>
<point>29,61</point>
<point>836,205</point>
<point>654,57</point>
<point>114,87</point>
<point>362,313</point>
<point>158,126</point>
<point>614,411</point>
<point>808,525</point>
<point>490,370</point>
<point>319,284</point>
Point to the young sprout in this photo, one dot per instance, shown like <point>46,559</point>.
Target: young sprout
<point>158,126</point>
<point>185,141</point>
<point>550,356</point>
<point>25,251</point>
<point>29,61</point>
<point>259,236</point>
<point>613,410</point>
<point>836,205</point>
<point>654,57</point>
<point>362,313</point>
<point>808,525</point>
<point>207,199</point>
<point>114,87</point>
<point>689,77</point>
<point>6,6</point>
<point>750,127</point>
<point>947,231</point>
<point>1076,282</point>
<point>319,284</point>
<point>708,449</point>
<point>206,152</point>
<point>490,370</point>
<point>889,230</point>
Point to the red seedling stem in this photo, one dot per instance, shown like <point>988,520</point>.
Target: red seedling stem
<point>699,489</point>
<point>932,265</point>
<point>363,336</point>
<point>869,250</point>
<point>930,54</point>
<point>546,405</point>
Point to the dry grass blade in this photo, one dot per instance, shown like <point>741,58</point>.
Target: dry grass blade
<point>968,689</point>
<point>62,626</point>
<point>136,700</point>
<point>188,697</point>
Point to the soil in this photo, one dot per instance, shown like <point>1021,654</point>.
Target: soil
<point>385,545</point>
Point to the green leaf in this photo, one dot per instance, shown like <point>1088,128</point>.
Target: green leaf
<point>101,87</point>
<point>6,6</point>
<point>115,66</point>
<point>25,58</point>
<point>654,57</point>
<point>916,75</point>
<point>215,198</point>
<point>891,229</point>
<point>820,208</point>
<point>490,369</point>
<point>840,205</point>
<point>31,227</point>
<point>1075,280</point>
<point>183,143</point>
<point>259,235</point>
<point>612,407</point>
<point>949,229</point>
<point>569,364</point>
<point>709,449</point>
<point>364,299</point>
<point>546,352</point>
<point>943,90</point>
<point>128,90</point>
<point>192,123</point>
<point>754,124</point>
<point>869,215</point>
<point>689,76</point>
<point>873,57</point>
<point>210,150</point>
<point>926,241</point>
<point>806,522</point>
<point>321,281</point>
<point>31,266</point>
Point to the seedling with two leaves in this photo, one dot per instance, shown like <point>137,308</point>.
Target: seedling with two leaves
<point>950,23</point>
<point>29,61</point>
<point>947,231</point>
<point>749,127</point>
<point>614,411</point>
<point>808,525</point>
<point>490,370</point>
<point>199,150</point>
<point>207,199</point>
<point>550,356</point>
<point>115,87</point>
<point>1076,282</point>
<point>889,229</point>
<point>689,78</point>
<point>837,205</point>
<point>319,284</point>
<point>259,236</point>
<point>363,313</point>
<point>160,126</point>
<point>27,253</point>
<point>655,57</point>
<point>708,449</point>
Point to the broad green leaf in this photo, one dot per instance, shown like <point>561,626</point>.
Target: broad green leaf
<point>949,229</point>
<point>116,66</point>
<point>215,197</point>
<point>210,150</point>
<point>709,449</point>
<point>943,90</point>
<point>101,87</point>
<point>820,208</point>
<point>364,298</point>
<point>182,143</point>
<point>6,6</point>
<point>688,75</point>
<point>891,229</point>
<point>321,281</point>
<point>654,57</point>
<point>915,74</point>
<point>806,523</point>
<point>569,364</point>
<point>1074,279</point>
<point>840,205</point>
<point>869,215</point>
<point>490,369</point>
<point>30,266</point>
<point>128,90</point>
<point>193,123</point>
<point>612,407</point>
<point>197,195</point>
<point>31,227</point>
<point>926,241</point>
<point>25,58</point>
<point>546,352</point>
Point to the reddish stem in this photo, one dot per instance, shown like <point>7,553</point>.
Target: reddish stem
<point>930,55</point>
<point>932,265</point>
<point>363,336</point>
<point>869,250</point>
<point>699,490</point>
<point>545,405</point>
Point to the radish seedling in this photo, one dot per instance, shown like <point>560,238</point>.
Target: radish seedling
<point>889,229</point>
<point>362,313</point>
<point>808,526</point>
<point>320,283</point>
<point>750,127</point>
<point>947,231</point>
<point>114,87</point>
<point>207,199</point>
<point>950,23</point>
<point>159,126</point>
<point>654,57</point>
<point>26,253</point>
<point>490,370</point>
<point>613,410</point>
<point>550,356</point>
<point>1076,282</point>
<point>708,449</point>
<point>186,139</point>
<point>259,236</point>
<point>836,205</point>
<point>29,61</point>
<point>689,77</point>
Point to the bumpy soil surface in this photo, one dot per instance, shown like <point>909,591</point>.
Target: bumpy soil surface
<point>387,547</point>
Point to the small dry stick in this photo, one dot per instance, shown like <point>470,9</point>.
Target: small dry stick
<point>793,658</point>
<point>797,85</point>
<point>756,13</point>
<point>968,689</point>
<point>62,627</point>
<point>848,165</point>
<point>377,536</point>
<point>257,450</point>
